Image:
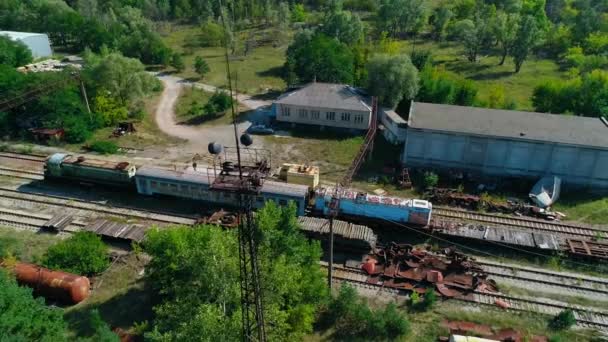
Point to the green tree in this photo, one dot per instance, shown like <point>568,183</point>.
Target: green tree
<point>101,330</point>
<point>83,253</point>
<point>392,79</point>
<point>212,34</point>
<point>504,29</point>
<point>563,320</point>
<point>527,37</point>
<point>293,285</point>
<point>110,109</point>
<point>14,53</point>
<point>200,66</point>
<point>316,56</point>
<point>298,13</point>
<point>440,86</point>
<point>24,318</point>
<point>343,25</point>
<point>177,62</point>
<point>401,16</point>
<point>440,20</point>
<point>123,78</point>
<point>473,35</point>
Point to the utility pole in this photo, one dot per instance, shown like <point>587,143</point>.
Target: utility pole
<point>330,271</point>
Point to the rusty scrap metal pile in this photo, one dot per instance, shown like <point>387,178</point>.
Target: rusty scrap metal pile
<point>402,266</point>
<point>454,197</point>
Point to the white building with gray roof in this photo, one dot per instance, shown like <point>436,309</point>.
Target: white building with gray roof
<point>508,143</point>
<point>325,105</point>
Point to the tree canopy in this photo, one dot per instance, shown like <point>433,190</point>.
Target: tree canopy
<point>83,253</point>
<point>314,56</point>
<point>25,318</point>
<point>14,53</point>
<point>196,274</point>
<point>392,79</point>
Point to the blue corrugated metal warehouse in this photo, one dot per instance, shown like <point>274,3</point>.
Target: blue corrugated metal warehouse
<point>508,143</point>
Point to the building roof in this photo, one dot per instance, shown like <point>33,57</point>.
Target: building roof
<point>327,95</point>
<point>20,35</point>
<point>565,129</point>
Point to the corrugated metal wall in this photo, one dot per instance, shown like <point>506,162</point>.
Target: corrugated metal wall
<point>576,165</point>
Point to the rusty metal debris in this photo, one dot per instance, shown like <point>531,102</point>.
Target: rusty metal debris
<point>222,218</point>
<point>450,273</point>
<point>456,198</point>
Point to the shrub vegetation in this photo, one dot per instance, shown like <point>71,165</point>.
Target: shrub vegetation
<point>83,253</point>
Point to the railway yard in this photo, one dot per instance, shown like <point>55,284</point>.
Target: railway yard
<point>28,203</point>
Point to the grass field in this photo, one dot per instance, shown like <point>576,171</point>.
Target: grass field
<point>487,74</point>
<point>593,211</point>
<point>25,245</point>
<point>256,73</point>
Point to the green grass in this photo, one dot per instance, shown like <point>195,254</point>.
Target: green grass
<point>26,246</point>
<point>120,296</point>
<point>257,72</point>
<point>331,152</point>
<point>187,98</point>
<point>488,75</point>
<point>579,208</point>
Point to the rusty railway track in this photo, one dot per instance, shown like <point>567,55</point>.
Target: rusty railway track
<point>568,229</point>
<point>23,156</point>
<point>120,211</point>
<point>586,317</point>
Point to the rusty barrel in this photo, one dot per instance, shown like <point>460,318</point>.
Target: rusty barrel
<point>66,287</point>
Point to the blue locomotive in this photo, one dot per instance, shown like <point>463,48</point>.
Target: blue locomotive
<point>195,184</point>
<point>366,206</point>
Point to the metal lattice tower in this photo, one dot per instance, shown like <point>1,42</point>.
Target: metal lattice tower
<point>247,183</point>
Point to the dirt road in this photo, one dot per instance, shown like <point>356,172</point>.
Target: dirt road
<point>198,137</point>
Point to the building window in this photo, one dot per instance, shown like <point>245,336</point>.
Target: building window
<point>286,111</point>
<point>331,116</point>
<point>345,117</point>
<point>303,114</point>
<point>358,118</point>
<point>315,114</point>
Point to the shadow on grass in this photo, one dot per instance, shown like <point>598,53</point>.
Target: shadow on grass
<point>267,96</point>
<point>122,310</point>
<point>225,116</point>
<point>492,75</point>
<point>271,72</point>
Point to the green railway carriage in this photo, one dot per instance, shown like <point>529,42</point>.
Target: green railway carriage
<point>85,170</point>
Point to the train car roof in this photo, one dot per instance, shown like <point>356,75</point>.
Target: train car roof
<point>204,177</point>
<point>97,163</point>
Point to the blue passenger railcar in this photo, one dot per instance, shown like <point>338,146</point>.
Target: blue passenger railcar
<point>366,206</point>
<point>196,185</point>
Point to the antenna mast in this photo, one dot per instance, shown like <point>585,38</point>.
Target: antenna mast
<point>246,186</point>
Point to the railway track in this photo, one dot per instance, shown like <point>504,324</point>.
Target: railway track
<point>586,317</point>
<point>96,207</point>
<point>548,282</point>
<point>20,156</point>
<point>33,222</point>
<point>16,173</point>
<point>518,222</point>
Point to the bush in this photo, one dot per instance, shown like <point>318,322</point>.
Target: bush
<point>104,147</point>
<point>84,253</point>
<point>430,179</point>
<point>219,102</point>
<point>563,320</point>
<point>212,34</point>
<point>353,319</point>
<point>421,58</point>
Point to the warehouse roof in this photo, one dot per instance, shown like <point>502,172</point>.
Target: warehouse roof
<point>20,35</point>
<point>327,95</point>
<point>565,129</point>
